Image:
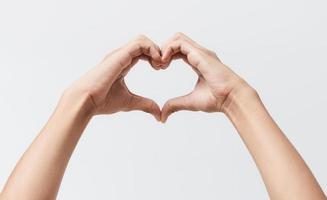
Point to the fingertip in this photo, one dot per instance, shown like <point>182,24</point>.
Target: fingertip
<point>156,61</point>
<point>164,66</point>
<point>165,62</point>
<point>157,65</point>
<point>163,119</point>
<point>145,105</point>
<point>156,112</point>
<point>155,54</point>
<point>157,117</point>
<point>165,57</point>
<point>164,113</point>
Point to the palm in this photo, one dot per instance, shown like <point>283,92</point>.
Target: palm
<point>117,99</point>
<point>202,98</point>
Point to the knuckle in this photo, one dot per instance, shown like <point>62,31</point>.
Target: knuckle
<point>179,35</point>
<point>141,38</point>
<point>142,42</point>
<point>212,53</point>
<point>136,44</point>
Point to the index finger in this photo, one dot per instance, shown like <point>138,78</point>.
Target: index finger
<point>186,50</point>
<point>142,46</point>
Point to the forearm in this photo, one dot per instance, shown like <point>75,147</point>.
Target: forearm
<point>102,90</point>
<point>284,172</point>
<point>39,172</point>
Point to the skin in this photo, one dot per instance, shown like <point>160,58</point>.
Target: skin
<point>102,90</point>
<point>219,89</point>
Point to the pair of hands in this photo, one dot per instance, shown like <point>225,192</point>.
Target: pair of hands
<point>107,92</point>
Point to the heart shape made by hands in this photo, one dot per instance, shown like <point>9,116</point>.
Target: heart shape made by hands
<point>214,79</point>
<point>176,80</point>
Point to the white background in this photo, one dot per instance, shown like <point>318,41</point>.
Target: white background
<point>278,46</point>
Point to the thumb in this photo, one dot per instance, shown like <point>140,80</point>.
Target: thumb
<point>176,104</point>
<point>144,104</point>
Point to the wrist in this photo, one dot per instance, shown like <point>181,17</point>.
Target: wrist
<point>241,96</point>
<point>78,101</point>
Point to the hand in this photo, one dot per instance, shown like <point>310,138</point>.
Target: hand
<point>215,83</point>
<point>105,86</point>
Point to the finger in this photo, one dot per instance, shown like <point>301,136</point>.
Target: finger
<point>153,63</point>
<point>176,104</point>
<point>197,45</point>
<point>157,62</point>
<point>180,56</point>
<point>195,54</point>
<point>143,46</point>
<point>176,47</point>
<point>191,53</point>
<point>144,104</point>
<point>135,60</point>
<point>175,57</point>
<point>179,36</point>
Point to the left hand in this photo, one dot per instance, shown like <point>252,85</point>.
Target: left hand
<point>215,82</point>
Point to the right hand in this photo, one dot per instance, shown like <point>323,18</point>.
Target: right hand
<point>215,82</point>
<point>105,87</point>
